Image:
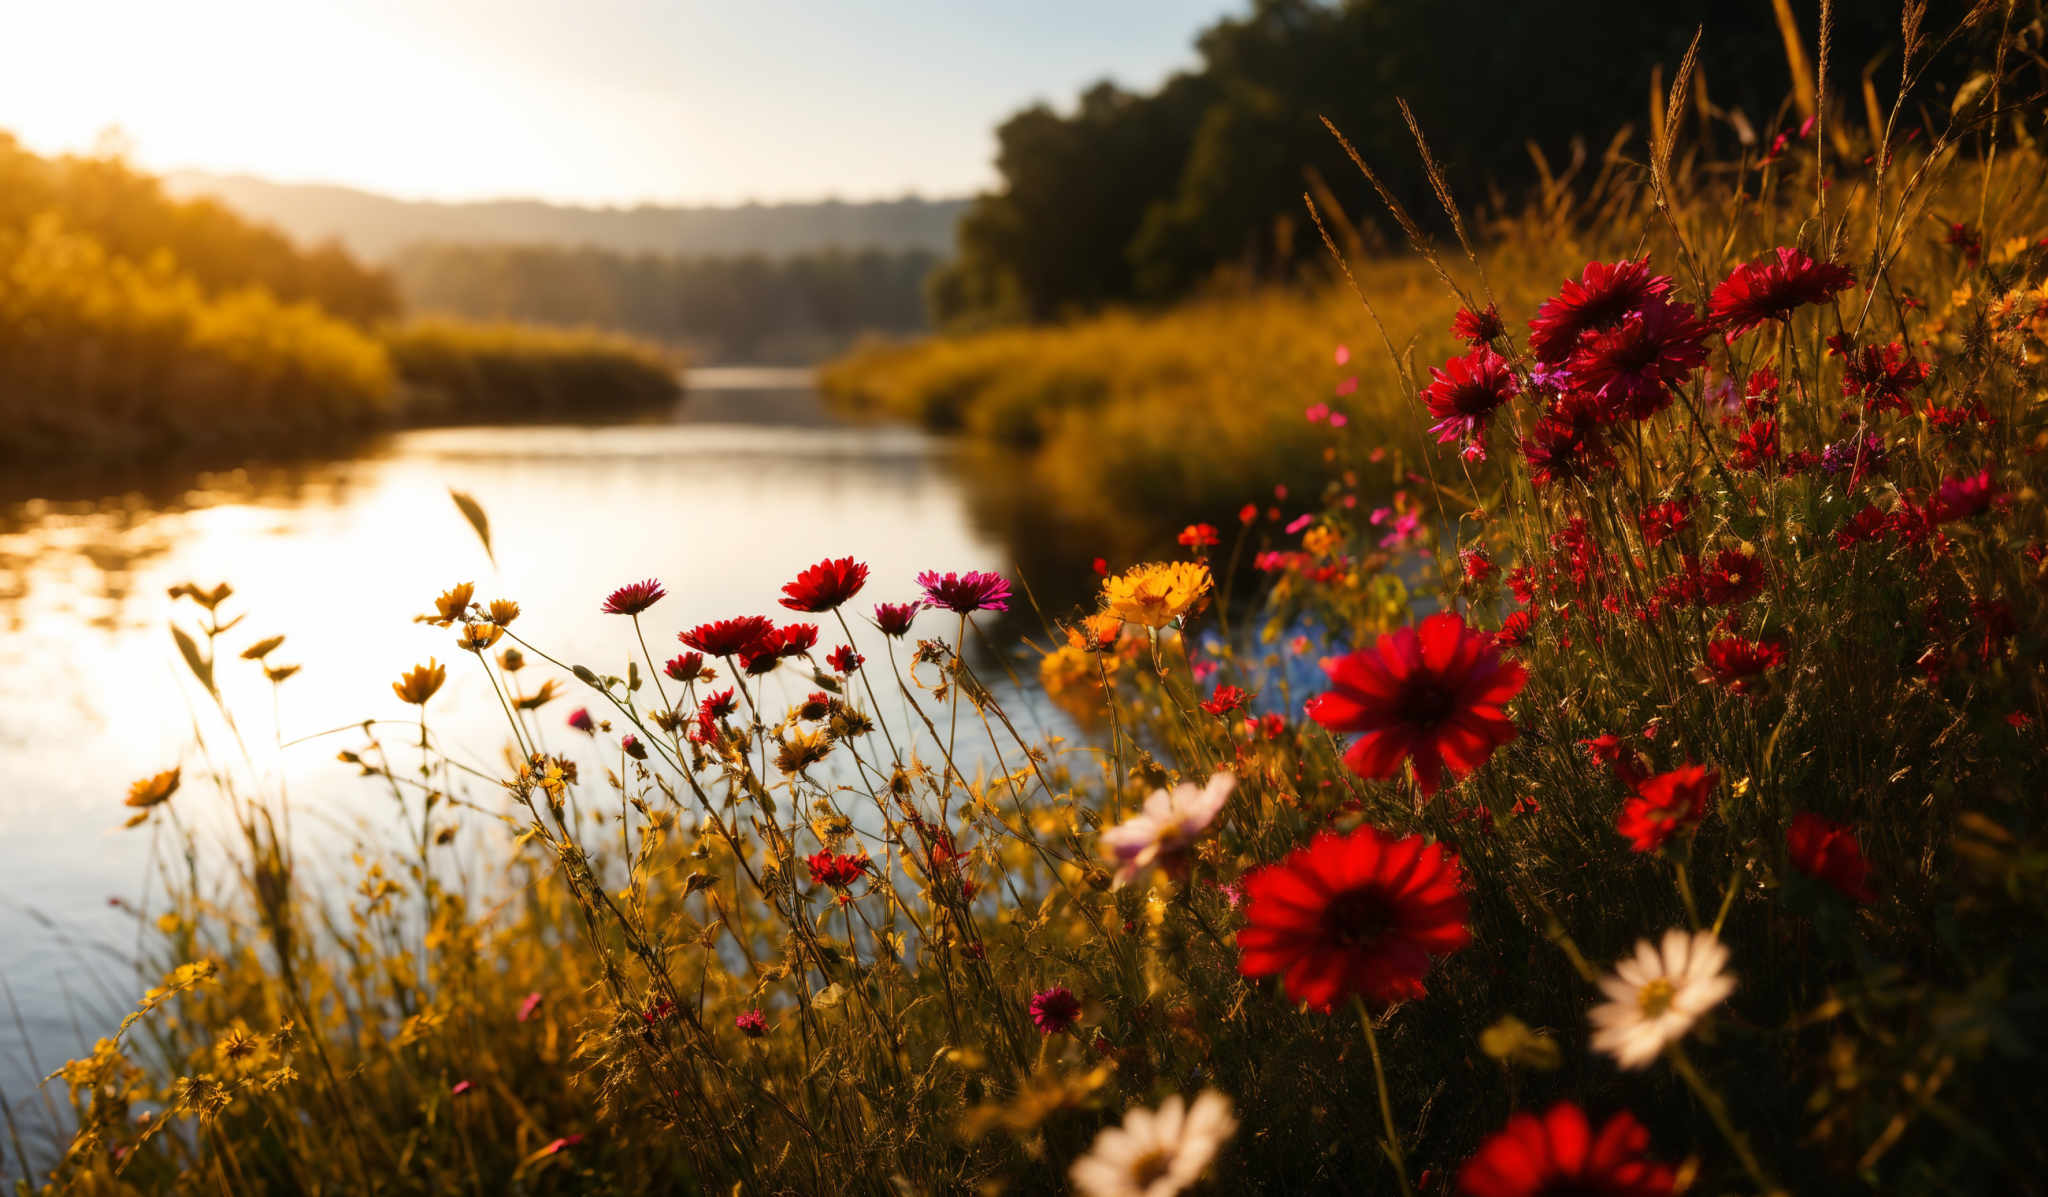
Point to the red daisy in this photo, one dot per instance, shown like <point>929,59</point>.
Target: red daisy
<point>894,618</point>
<point>1665,805</point>
<point>1557,1154</point>
<point>1463,393</point>
<point>1663,521</point>
<point>684,667</point>
<point>1731,577</point>
<point>975,590</point>
<point>1601,296</point>
<point>1199,536</point>
<point>1515,629</point>
<point>1880,376</point>
<point>580,720</point>
<point>1963,496</point>
<point>632,600</point>
<point>1566,444</point>
<point>1055,1010</point>
<point>1633,366</point>
<point>844,660</point>
<point>795,639</point>
<point>833,869</point>
<point>729,637</point>
<point>718,704</point>
<point>1829,852</point>
<point>1356,914</point>
<point>1225,700</point>
<point>1757,448</point>
<point>825,585</point>
<point>1430,695</point>
<point>1477,328</point>
<point>1740,664</point>
<point>1772,288</point>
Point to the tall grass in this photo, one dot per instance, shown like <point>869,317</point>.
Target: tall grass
<point>473,371</point>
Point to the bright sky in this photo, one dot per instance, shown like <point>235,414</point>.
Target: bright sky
<point>698,101</point>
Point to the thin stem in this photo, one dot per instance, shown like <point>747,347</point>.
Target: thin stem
<point>1379,1080</point>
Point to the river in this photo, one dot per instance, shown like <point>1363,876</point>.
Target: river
<point>724,500</point>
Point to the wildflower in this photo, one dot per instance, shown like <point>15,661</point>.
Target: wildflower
<point>630,744</point>
<point>751,1023</point>
<point>528,1005</point>
<point>1477,565</point>
<point>844,660</point>
<point>684,667</point>
<point>1772,288</point>
<point>835,870</point>
<point>511,660</point>
<point>278,673</point>
<point>1757,448</point>
<point>1963,496</point>
<point>262,648</point>
<point>795,639</point>
<point>1224,700</point>
<point>538,699</point>
<point>1599,299</point>
<point>718,704</point>
<point>1248,513</point>
<point>562,1144</point>
<point>728,637</point>
<point>1477,328</point>
<point>1828,852</point>
<point>1738,664</point>
<point>476,637</point>
<point>452,605</point>
<point>1565,445</point>
<point>976,590</point>
<point>1199,536</point>
<point>1463,393</point>
<point>212,599</point>
<point>816,705</point>
<point>1664,805</point>
<point>1556,1154</point>
<point>1153,596</point>
<point>1156,1153</point>
<point>580,720</point>
<point>461,1087</point>
<point>1169,824</point>
<point>154,791</point>
<point>1356,914</point>
<point>1656,995</point>
<point>1055,1010</point>
<point>420,683</point>
<point>633,599</point>
<point>1515,629</point>
<point>1633,366</point>
<point>894,618</point>
<point>1431,695</point>
<point>503,611</point>
<point>1881,376</point>
<point>1733,576</point>
<point>1664,521</point>
<point>826,585</point>
<point>1628,764</point>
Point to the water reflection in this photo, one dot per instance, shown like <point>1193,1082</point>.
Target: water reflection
<point>723,503</point>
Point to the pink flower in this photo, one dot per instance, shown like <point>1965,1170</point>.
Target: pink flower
<point>528,1005</point>
<point>1055,1010</point>
<point>751,1024</point>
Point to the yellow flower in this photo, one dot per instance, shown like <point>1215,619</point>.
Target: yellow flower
<point>503,611</point>
<point>511,660</point>
<point>1066,668</point>
<point>539,698</point>
<point>451,606</point>
<point>1156,595</point>
<point>420,682</point>
<point>151,791</point>
<point>476,637</point>
<point>1097,634</point>
<point>1320,540</point>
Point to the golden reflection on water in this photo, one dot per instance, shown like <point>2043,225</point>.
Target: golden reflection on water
<point>337,557</point>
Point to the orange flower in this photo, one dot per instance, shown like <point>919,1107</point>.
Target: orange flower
<point>420,682</point>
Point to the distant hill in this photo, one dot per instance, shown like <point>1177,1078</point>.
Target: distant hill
<point>376,227</point>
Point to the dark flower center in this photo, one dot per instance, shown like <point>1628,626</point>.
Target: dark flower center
<point>1426,702</point>
<point>1358,917</point>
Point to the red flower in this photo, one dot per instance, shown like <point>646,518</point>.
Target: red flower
<point>751,1023</point>
<point>816,705</point>
<point>1247,513</point>
<point>1665,805</point>
<point>1633,366</point>
<point>1772,288</point>
<point>1828,852</point>
<point>1566,445</point>
<point>833,869</point>
<point>1463,393</point>
<point>1225,700</point>
<point>1963,496</point>
<point>1477,565</point>
<point>1477,328</point>
<point>1055,1010</point>
<point>728,637</point>
<point>1757,447</point>
<point>632,747</point>
<point>1608,749</point>
<point>718,704</point>
<point>1599,299</point>
<point>1663,521</point>
<point>632,600</point>
<point>1356,914</point>
<point>844,660</point>
<point>1431,695</point>
<point>795,639</point>
<point>894,618</point>
<point>825,585</point>
<point>580,720</point>
<point>975,590</point>
<point>1515,629</point>
<point>684,667</point>
<point>1739,664</point>
<point>1199,536</point>
<point>1731,577</point>
<point>1557,1154</point>
<point>1881,376</point>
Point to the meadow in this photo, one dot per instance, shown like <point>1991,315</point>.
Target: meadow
<point>1598,752</point>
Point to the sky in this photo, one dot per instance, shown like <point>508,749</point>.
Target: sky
<point>591,101</point>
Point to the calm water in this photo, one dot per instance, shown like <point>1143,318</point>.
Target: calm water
<point>724,502</point>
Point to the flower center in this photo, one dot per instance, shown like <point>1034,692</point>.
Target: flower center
<point>1655,998</point>
<point>1149,1168</point>
<point>1426,702</point>
<point>1358,917</point>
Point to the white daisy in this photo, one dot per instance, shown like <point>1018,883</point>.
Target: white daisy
<point>1657,994</point>
<point>1162,832</point>
<point>1156,1153</point>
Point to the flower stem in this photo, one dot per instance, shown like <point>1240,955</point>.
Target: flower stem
<point>1379,1080</point>
<point>1717,1110</point>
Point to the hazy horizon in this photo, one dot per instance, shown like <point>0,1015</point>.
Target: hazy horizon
<point>616,103</point>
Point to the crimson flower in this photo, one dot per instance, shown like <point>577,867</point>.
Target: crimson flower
<point>894,618</point>
<point>1356,914</point>
<point>1601,296</point>
<point>1515,629</point>
<point>795,639</point>
<point>1463,393</point>
<point>1757,448</point>
<point>751,1023</point>
<point>718,704</point>
<point>816,705</point>
<point>684,667</point>
<point>826,585</point>
<point>1199,536</point>
<point>844,660</point>
<point>1609,750</point>
<point>632,600</point>
<point>975,590</point>
<point>1772,288</point>
<point>1731,577</point>
<point>580,720</point>
<point>831,868</point>
<point>1740,664</point>
<point>1633,366</point>
<point>1430,695</point>
<point>1556,1154</point>
<point>1828,852</point>
<point>1662,521</point>
<point>1477,328</point>
<point>1225,700</point>
<point>1055,1010</point>
<point>1665,805</point>
<point>728,637</point>
<point>1963,496</point>
<point>1566,445</point>
<point>1880,376</point>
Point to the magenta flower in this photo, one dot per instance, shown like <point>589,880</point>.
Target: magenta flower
<point>976,590</point>
<point>632,600</point>
<point>528,1005</point>
<point>751,1024</point>
<point>894,618</point>
<point>1055,1010</point>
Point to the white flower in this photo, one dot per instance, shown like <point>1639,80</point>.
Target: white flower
<point>1156,1153</point>
<point>1169,824</point>
<point>1658,994</point>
